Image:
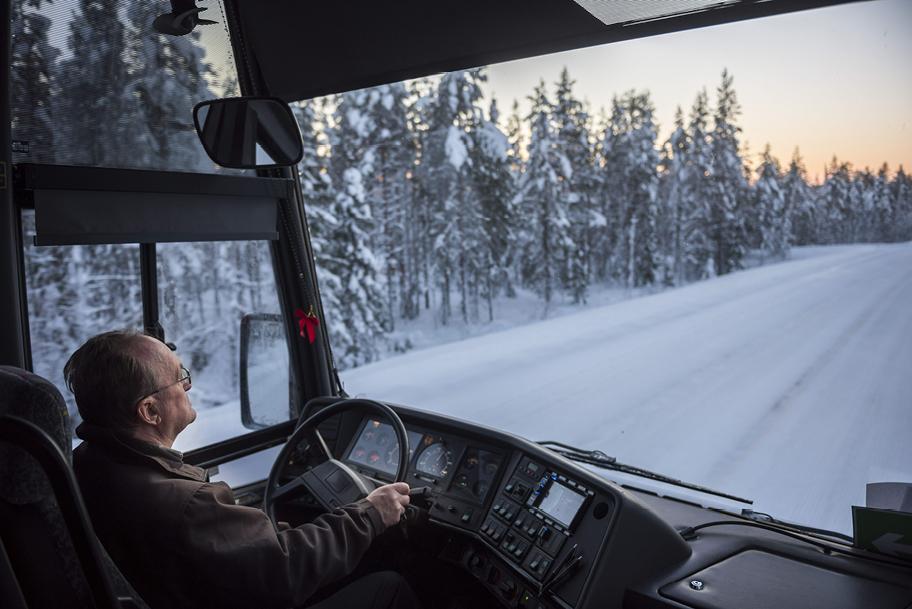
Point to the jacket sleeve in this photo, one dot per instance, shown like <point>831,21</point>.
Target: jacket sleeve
<point>241,560</point>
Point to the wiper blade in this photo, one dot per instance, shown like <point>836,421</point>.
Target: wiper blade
<point>762,517</point>
<point>600,459</point>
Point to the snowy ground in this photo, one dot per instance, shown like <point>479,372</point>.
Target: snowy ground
<point>789,384</point>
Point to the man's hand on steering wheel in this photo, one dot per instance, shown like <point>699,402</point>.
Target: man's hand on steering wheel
<point>390,500</point>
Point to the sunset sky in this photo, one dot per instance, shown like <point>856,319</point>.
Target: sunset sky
<point>836,80</point>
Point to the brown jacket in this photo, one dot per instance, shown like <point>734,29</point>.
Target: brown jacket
<point>182,542</point>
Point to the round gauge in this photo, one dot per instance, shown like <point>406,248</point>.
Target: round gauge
<point>461,481</point>
<point>373,458</point>
<point>359,453</point>
<point>435,460</point>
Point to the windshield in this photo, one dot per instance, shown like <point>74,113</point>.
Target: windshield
<point>689,251</point>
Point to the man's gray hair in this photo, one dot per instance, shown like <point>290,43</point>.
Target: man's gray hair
<point>108,375</point>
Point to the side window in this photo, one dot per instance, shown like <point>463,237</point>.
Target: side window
<point>75,292</point>
<point>205,290</point>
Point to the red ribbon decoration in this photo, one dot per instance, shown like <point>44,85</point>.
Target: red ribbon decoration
<point>307,322</point>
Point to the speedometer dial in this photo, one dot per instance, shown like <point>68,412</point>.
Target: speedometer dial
<point>435,460</point>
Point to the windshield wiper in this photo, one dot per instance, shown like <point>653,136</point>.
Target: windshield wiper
<point>762,517</point>
<point>600,459</point>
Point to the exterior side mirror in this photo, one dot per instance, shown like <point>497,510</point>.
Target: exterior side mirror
<point>265,377</point>
<point>248,132</point>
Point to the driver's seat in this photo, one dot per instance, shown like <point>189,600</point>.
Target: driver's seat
<point>49,554</point>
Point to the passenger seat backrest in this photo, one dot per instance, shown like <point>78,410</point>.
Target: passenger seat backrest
<point>52,556</point>
<point>34,534</point>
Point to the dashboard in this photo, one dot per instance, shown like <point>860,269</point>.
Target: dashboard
<point>541,532</point>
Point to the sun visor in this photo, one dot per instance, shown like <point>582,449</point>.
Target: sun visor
<point>85,205</point>
<point>614,12</point>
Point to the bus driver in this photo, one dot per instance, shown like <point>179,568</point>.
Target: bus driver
<point>181,540</point>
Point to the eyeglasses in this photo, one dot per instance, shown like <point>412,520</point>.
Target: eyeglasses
<point>184,378</point>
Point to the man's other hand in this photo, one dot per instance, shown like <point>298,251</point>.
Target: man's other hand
<point>390,500</point>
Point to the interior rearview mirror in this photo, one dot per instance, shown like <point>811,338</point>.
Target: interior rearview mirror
<point>248,132</point>
<point>265,379</point>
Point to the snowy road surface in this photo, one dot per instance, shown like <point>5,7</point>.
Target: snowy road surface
<point>790,384</point>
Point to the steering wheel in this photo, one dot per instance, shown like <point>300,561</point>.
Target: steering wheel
<point>331,482</point>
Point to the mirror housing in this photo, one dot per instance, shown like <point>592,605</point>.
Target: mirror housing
<point>265,399</point>
<point>248,132</point>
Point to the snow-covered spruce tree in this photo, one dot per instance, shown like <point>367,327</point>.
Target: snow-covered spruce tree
<point>631,188</point>
<point>863,204</point>
<point>96,117</point>
<point>696,220</point>
<point>639,239</point>
<point>606,262</point>
<point>800,202</point>
<point>516,138</point>
<point>901,202</point>
<point>837,217</point>
<point>516,154</point>
<point>773,218</point>
<point>672,200</point>
<point>728,187</point>
<point>494,189</point>
<point>577,190</point>
<point>883,210</point>
<point>453,214</point>
<point>31,70</point>
<point>166,77</point>
<point>319,199</point>
<point>546,235</point>
<point>393,152</point>
<point>350,256</point>
<point>417,245</point>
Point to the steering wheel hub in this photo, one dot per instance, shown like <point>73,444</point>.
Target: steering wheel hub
<point>331,482</point>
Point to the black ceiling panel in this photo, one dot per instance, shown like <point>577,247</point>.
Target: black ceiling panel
<point>307,48</point>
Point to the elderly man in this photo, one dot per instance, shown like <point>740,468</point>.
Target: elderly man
<point>181,540</point>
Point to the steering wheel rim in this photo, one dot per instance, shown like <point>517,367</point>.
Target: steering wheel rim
<point>310,424</point>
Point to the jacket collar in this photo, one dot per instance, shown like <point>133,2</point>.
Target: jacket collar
<point>123,444</point>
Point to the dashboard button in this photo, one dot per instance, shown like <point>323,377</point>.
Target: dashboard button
<point>553,543</point>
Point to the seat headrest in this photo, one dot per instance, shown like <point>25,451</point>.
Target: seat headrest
<point>35,399</point>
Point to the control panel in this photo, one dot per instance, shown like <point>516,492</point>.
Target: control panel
<point>533,518</point>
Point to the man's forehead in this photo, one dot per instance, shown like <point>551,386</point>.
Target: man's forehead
<point>154,350</point>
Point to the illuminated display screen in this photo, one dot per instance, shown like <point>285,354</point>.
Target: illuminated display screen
<point>378,448</point>
<point>560,502</point>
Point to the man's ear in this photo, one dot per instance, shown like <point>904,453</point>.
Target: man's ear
<point>147,411</point>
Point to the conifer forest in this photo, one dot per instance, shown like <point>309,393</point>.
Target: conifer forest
<point>425,199</point>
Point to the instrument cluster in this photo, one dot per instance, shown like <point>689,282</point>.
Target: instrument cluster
<point>449,464</point>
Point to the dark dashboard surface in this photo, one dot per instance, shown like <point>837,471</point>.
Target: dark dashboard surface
<point>540,531</point>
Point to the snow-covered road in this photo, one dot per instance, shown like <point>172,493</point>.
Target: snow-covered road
<point>790,384</point>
